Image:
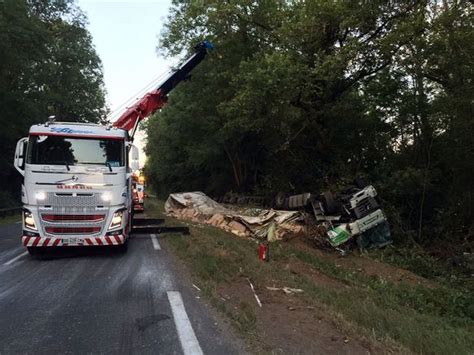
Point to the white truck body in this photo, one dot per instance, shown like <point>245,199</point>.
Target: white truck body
<point>77,176</point>
<point>77,185</point>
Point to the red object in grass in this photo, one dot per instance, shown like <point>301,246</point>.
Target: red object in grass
<point>263,250</point>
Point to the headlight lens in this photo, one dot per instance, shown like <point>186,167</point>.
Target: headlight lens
<point>116,220</point>
<point>40,196</point>
<point>29,220</point>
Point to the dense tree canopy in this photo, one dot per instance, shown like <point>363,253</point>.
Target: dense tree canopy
<point>48,66</point>
<point>304,95</point>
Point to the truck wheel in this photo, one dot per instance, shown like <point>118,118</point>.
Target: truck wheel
<point>122,248</point>
<point>360,183</point>
<point>35,251</point>
<point>130,222</point>
<point>281,201</point>
<point>329,203</point>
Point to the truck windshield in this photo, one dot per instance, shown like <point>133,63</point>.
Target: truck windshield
<point>59,150</point>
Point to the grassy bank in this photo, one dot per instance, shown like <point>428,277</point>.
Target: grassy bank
<point>391,314</point>
<point>10,219</point>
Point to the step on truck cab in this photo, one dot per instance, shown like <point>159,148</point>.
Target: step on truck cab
<point>77,185</point>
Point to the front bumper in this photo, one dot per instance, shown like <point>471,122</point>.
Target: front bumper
<point>37,241</point>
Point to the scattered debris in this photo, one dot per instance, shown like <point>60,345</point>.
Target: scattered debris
<point>254,293</point>
<point>197,288</point>
<point>287,290</point>
<point>268,224</point>
<point>350,217</point>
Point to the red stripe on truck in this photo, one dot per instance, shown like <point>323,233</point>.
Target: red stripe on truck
<point>73,217</point>
<point>76,135</point>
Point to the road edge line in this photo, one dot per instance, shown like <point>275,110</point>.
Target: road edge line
<point>187,338</point>
<point>156,244</point>
<point>15,258</point>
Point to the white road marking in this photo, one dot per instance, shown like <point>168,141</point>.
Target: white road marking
<point>154,240</point>
<point>18,222</point>
<point>187,338</point>
<point>15,258</point>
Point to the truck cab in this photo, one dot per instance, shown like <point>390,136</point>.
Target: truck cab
<point>77,185</point>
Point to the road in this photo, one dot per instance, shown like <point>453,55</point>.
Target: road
<point>96,301</point>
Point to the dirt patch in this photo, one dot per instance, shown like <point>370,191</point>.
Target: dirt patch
<point>299,268</point>
<point>386,272</point>
<point>370,267</point>
<point>289,326</point>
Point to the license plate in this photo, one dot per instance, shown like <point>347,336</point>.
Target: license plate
<point>73,241</point>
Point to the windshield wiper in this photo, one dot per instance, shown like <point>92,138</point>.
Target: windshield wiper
<point>109,166</point>
<point>67,165</point>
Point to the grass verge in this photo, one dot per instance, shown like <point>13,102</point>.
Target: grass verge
<point>401,316</point>
<point>10,219</point>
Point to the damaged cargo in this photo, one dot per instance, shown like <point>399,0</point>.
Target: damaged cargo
<point>352,216</point>
<point>268,224</point>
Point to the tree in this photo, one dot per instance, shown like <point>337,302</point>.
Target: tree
<point>305,95</point>
<point>48,66</point>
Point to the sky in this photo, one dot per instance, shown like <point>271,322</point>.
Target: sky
<point>125,35</point>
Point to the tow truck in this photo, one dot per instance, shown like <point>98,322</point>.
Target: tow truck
<point>77,185</point>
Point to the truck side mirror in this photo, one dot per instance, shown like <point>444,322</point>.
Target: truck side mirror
<point>20,155</point>
<point>134,158</point>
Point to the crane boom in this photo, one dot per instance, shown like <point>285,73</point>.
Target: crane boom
<point>156,99</point>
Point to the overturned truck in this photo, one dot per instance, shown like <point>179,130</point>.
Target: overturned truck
<point>351,214</point>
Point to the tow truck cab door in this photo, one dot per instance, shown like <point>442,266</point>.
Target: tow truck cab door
<point>20,155</point>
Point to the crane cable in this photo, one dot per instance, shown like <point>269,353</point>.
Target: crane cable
<point>116,113</point>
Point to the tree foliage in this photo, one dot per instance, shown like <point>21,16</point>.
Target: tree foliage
<point>48,66</point>
<point>304,95</point>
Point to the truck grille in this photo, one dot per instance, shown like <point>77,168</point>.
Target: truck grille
<point>72,217</point>
<point>76,199</point>
<point>68,220</point>
<point>73,230</point>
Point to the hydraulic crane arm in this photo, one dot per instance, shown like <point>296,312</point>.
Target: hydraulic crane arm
<point>157,98</point>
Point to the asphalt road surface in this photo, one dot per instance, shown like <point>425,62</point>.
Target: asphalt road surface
<point>97,301</point>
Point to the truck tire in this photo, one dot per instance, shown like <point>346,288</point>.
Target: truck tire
<point>34,251</point>
<point>281,200</point>
<point>130,224</point>
<point>360,183</point>
<point>329,203</point>
<point>122,248</point>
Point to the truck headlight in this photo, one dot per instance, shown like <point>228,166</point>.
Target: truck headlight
<point>116,220</point>
<point>29,220</point>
